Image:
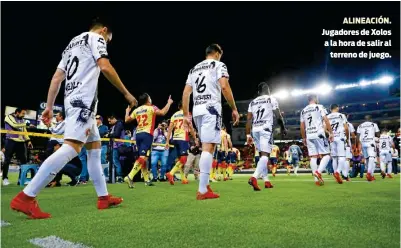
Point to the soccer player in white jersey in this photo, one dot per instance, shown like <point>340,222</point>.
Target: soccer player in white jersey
<point>339,126</point>
<point>260,117</point>
<point>348,155</point>
<point>206,81</point>
<point>314,136</point>
<point>367,132</point>
<point>385,145</point>
<point>82,61</point>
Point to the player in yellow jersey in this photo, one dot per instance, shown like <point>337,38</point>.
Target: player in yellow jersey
<point>222,153</point>
<point>181,143</point>
<point>145,115</point>
<point>234,156</point>
<point>274,158</point>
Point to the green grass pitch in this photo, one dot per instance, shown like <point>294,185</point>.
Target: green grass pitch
<point>295,213</point>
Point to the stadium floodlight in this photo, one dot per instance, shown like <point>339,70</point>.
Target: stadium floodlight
<point>386,80</point>
<point>364,83</point>
<point>282,94</point>
<point>323,89</point>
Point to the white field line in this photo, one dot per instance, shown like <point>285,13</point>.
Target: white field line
<point>4,223</point>
<point>55,242</point>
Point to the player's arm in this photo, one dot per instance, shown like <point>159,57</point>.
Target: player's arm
<point>170,131</point>
<point>328,125</point>
<point>185,99</point>
<point>248,127</point>
<point>346,131</point>
<point>110,73</point>
<point>192,131</point>
<point>280,121</point>
<point>377,131</point>
<point>228,95</point>
<point>303,134</point>
<point>129,118</point>
<point>163,111</point>
<point>230,143</point>
<point>54,88</point>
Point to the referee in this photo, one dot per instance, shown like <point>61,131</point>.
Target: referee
<point>15,143</point>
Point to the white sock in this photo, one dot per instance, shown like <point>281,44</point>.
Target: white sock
<point>296,170</point>
<point>382,165</point>
<point>260,166</point>
<point>371,165</point>
<point>96,172</point>
<point>323,163</point>
<point>313,166</point>
<point>346,169</point>
<point>49,168</point>
<point>205,164</point>
<point>341,164</point>
<point>335,163</point>
<point>389,168</point>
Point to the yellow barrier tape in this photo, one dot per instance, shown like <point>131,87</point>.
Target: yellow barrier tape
<point>46,135</point>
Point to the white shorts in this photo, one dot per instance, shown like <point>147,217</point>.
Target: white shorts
<point>209,127</point>
<point>318,146</point>
<point>348,153</point>
<point>337,148</point>
<point>368,150</point>
<point>385,156</point>
<point>263,141</point>
<point>80,124</point>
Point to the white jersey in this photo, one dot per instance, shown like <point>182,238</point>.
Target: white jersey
<point>367,133</point>
<point>204,79</point>
<point>79,62</point>
<point>262,111</point>
<point>385,142</point>
<point>312,115</point>
<point>351,130</point>
<point>337,122</point>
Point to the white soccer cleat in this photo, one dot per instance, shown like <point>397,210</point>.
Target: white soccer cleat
<point>6,182</point>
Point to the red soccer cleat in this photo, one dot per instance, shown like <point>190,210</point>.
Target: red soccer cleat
<point>209,189</point>
<point>184,181</point>
<point>254,183</point>
<point>389,176</point>
<point>207,195</point>
<point>107,201</point>
<point>29,206</point>
<point>319,177</point>
<point>338,178</point>
<point>268,185</point>
<point>226,179</point>
<point>318,183</point>
<point>369,177</point>
<point>170,178</point>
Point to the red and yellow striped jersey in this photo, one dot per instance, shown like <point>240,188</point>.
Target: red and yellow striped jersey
<point>145,115</point>
<point>179,132</point>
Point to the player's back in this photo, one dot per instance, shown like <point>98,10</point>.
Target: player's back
<point>295,150</point>
<point>385,142</point>
<point>204,79</point>
<point>179,131</point>
<point>367,132</point>
<point>145,116</point>
<point>274,152</point>
<point>337,121</point>
<point>262,109</point>
<point>224,141</point>
<point>312,116</point>
<point>79,62</point>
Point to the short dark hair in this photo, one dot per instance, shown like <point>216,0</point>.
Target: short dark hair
<point>98,22</point>
<point>312,97</point>
<point>143,98</point>
<point>263,89</point>
<point>18,110</point>
<point>62,114</point>
<point>213,48</point>
<point>112,116</point>
<point>333,106</point>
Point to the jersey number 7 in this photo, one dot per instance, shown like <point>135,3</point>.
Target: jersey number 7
<point>178,123</point>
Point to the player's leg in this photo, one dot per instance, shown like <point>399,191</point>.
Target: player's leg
<point>189,164</point>
<point>209,132</point>
<point>340,152</point>
<point>323,148</point>
<point>74,137</point>
<point>196,166</point>
<point>313,154</point>
<point>389,164</point>
<point>214,166</point>
<point>182,149</point>
<point>140,163</point>
<point>370,156</point>
<point>383,163</point>
<point>295,163</point>
<point>224,166</point>
<point>8,154</point>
